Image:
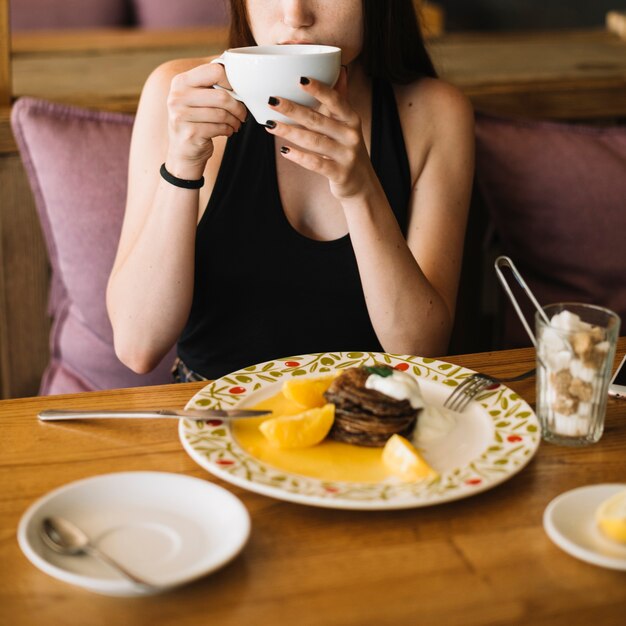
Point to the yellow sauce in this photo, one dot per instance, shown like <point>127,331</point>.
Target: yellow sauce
<point>330,460</point>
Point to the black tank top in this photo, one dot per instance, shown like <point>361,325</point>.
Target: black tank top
<point>264,291</point>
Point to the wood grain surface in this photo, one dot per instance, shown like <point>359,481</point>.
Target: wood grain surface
<point>5,54</point>
<point>24,285</point>
<point>482,560</point>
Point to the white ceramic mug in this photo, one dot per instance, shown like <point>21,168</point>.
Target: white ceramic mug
<point>258,72</point>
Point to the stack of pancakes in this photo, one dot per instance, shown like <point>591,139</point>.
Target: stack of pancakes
<point>366,417</point>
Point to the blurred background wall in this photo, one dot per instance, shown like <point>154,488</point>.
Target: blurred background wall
<point>475,15</point>
<point>155,14</point>
<point>498,15</point>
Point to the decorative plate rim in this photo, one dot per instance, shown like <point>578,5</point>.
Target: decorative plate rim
<point>515,440</point>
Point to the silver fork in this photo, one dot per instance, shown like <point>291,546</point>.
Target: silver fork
<point>473,385</point>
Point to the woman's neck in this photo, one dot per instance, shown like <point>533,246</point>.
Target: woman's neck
<point>359,86</point>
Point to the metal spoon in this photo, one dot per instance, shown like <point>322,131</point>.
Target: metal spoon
<point>65,537</point>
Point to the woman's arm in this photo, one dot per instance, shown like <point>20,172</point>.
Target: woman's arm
<point>151,284</point>
<point>410,285</point>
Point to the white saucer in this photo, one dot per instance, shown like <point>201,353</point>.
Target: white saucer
<point>168,528</point>
<point>569,521</point>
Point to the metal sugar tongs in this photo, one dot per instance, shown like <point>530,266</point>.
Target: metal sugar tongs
<point>505,261</point>
<point>469,389</point>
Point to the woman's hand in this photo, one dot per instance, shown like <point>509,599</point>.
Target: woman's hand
<point>328,141</point>
<point>196,114</point>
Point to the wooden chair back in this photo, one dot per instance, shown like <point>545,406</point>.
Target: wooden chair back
<point>5,54</point>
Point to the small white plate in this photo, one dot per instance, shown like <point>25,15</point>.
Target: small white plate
<point>168,528</point>
<point>569,521</point>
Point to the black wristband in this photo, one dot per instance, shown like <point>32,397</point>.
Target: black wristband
<point>181,182</point>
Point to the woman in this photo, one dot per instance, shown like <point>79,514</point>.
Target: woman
<point>343,232</point>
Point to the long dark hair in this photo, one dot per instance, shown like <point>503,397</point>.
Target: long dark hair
<point>393,45</point>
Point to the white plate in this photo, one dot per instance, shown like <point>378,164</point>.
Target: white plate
<point>168,528</point>
<point>494,438</point>
<point>569,521</point>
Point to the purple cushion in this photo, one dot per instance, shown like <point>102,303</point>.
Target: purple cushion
<point>557,196</point>
<point>180,13</point>
<point>52,14</point>
<point>76,161</point>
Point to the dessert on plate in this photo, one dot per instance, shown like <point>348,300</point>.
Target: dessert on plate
<point>373,407</point>
<point>372,404</point>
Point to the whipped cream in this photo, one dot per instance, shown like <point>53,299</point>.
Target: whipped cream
<point>399,386</point>
<point>434,423</point>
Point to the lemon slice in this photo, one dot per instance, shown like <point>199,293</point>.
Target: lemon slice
<point>611,517</point>
<point>402,460</point>
<point>308,392</point>
<point>303,430</point>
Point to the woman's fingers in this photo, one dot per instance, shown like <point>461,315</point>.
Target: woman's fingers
<point>311,141</point>
<point>205,115</point>
<point>310,119</point>
<point>312,162</point>
<point>334,133</point>
<point>206,105</point>
<point>336,160</point>
<point>334,115</point>
<point>334,100</point>
<point>328,141</point>
<point>205,75</point>
<point>195,88</point>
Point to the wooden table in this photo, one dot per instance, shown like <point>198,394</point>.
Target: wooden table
<point>483,560</point>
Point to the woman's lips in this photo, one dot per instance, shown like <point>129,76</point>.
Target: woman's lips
<point>294,42</point>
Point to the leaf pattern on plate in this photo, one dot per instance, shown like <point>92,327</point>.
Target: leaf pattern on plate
<point>515,437</point>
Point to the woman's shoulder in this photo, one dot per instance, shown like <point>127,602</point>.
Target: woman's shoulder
<point>437,122</point>
<point>435,102</point>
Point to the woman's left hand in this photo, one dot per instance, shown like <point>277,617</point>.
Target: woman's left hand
<point>328,141</point>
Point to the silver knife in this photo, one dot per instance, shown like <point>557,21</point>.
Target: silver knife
<point>199,415</point>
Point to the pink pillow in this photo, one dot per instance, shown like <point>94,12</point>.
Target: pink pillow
<point>51,14</point>
<point>557,195</point>
<point>76,161</point>
<point>180,13</point>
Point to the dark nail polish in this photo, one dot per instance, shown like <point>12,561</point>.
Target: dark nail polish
<point>273,101</point>
<point>304,80</point>
<point>270,124</point>
<point>284,149</point>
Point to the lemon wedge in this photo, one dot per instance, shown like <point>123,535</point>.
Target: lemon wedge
<point>402,460</point>
<point>611,517</point>
<point>307,392</point>
<point>302,430</point>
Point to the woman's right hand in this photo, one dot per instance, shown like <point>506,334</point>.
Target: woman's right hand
<point>196,114</point>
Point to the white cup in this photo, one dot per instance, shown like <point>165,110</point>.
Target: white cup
<point>259,72</point>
